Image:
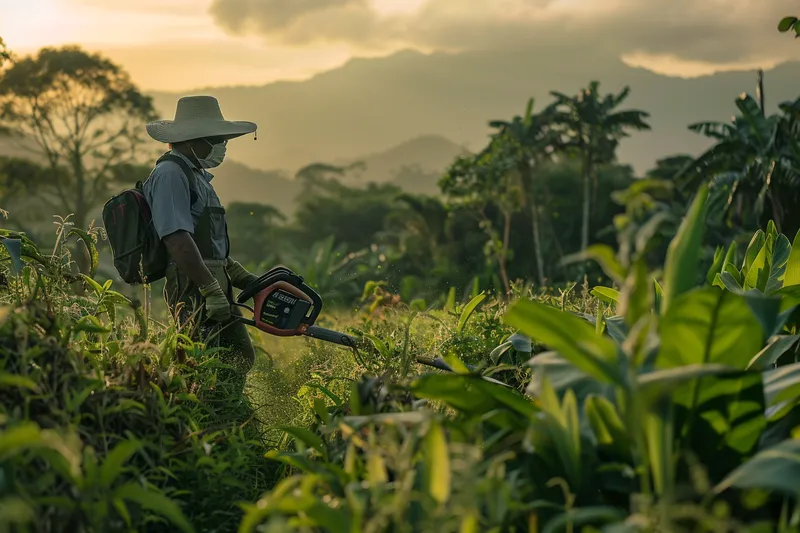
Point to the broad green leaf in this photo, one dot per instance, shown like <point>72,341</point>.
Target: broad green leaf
<point>14,249</point>
<point>563,376</point>
<point>607,427</point>
<point>114,462</point>
<point>758,271</point>
<point>781,249</point>
<point>730,256</point>
<point>720,417</point>
<point>376,469</point>
<point>455,363</point>
<point>306,437</point>
<point>475,398</point>
<point>115,297</point>
<point>606,294</point>
<point>314,511</point>
<point>753,249</point>
<point>716,266</point>
<point>662,383</point>
<point>792,276</point>
<point>683,253</point>
<point>572,337</point>
<point>605,256</point>
<point>468,310</point>
<point>725,420</point>
<point>659,434</point>
<point>155,502</point>
<point>19,438</point>
<point>786,24</point>
<point>321,409</point>
<point>776,469</point>
<point>782,383</point>
<point>766,309</point>
<point>96,287</point>
<point>776,347</point>
<point>709,326</point>
<point>437,463</point>
<point>636,297</point>
<point>16,381</point>
<point>728,280</point>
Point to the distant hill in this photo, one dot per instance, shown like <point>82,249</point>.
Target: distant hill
<point>371,105</point>
<point>414,165</point>
<point>425,154</point>
<point>407,116</point>
<point>235,182</point>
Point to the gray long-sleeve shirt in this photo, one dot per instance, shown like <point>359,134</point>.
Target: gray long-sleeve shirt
<point>167,193</point>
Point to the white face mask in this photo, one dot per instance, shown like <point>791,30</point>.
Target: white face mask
<point>215,157</point>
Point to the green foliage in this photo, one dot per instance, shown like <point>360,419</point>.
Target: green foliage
<point>82,115</point>
<point>591,125</point>
<point>789,24</point>
<point>752,167</point>
<point>105,423</point>
<point>657,404</point>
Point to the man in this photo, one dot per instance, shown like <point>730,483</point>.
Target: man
<point>190,220</point>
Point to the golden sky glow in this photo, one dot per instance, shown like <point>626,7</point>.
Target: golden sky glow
<point>178,44</point>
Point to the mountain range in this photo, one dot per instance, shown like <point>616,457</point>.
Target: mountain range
<point>372,105</point>
<point>408,115</point>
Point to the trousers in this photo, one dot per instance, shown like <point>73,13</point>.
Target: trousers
<point>186,305</point>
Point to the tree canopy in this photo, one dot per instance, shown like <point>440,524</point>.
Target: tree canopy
<point>78,111</point>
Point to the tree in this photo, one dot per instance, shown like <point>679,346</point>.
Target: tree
<point>5,54</point>
<point>489,178</point>
<point>669,168</point>
<point>756,159</point>
<point>531,142</point>
<point>79,111</point>
<point>592,127</point>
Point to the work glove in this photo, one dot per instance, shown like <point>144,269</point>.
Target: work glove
<point>218,308</point>
<point>240,277</point>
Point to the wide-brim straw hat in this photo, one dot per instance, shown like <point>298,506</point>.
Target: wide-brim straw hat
<point>197,117</point>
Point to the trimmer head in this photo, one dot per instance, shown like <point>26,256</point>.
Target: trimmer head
<point>286,306</point>
<point>283,303</point>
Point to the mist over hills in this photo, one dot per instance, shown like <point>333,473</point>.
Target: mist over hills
<point>408,115</point>
<point>371,105</point>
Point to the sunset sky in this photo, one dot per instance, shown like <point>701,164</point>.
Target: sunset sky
<point>183,44</point>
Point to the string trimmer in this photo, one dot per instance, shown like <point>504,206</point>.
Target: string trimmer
<point>285,305</point>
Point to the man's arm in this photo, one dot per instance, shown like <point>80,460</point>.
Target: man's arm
<point>184,252</point>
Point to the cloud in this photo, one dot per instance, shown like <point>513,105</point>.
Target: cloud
<point>715,32</point>
<point>279,15</point>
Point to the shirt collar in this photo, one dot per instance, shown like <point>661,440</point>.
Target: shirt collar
<point>208,175</point>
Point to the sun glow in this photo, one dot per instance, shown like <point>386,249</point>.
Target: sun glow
<point>31,24</point>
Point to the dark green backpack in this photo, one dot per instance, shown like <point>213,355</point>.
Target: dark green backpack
<point>139,254</point>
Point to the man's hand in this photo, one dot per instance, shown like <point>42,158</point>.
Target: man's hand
<point>218,308</point>
<point>240,277</point>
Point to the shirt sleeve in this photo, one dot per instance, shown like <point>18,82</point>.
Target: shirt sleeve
<point>170,200</point>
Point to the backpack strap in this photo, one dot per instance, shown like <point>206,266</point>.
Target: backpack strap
<point>188,172</point>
